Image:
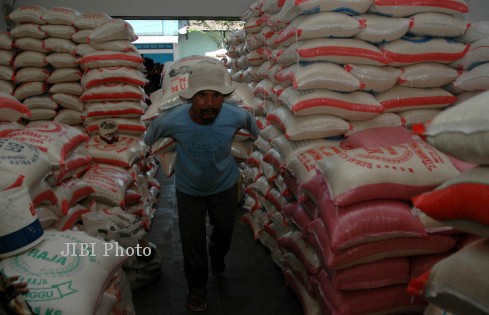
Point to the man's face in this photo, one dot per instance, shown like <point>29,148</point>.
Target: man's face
<point>206,106</point>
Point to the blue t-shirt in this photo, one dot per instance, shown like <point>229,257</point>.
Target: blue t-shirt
<point>205,164</point>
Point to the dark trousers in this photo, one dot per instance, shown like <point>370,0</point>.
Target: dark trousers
<point>192,212</point>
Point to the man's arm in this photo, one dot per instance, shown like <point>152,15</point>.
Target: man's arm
<point>154,131</point>
<point>252,127</point>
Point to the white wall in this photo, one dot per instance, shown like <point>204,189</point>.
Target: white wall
<point>150,8</point>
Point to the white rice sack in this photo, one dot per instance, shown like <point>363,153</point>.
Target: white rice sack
<point>56,140</point>
<point>243,96</point>
<point>163,145</point>
<point>113,92</point>
<point>24,159</point>
<point>462,131</point>
<point>241,150</point>
<point>10,180</point>
<point>83,49</point>
<point>75,165</point>
<point>401,98</point>
<point>477,30</point>
<point>69,117</point>
<point>31,74</point>
<point>30,59</point>
<point>119,74</point>
<point>27,14</point>
<point>28,30</point>
<point>427,75</point>
<point>419,116</point>
<point>30,43</point>
<point>382,120</point>
<point>379,29</point>
<point>167,162</point>
<point>392,172</point>
<point>71,191</point>
<point>7,86</point>
<point>114,109</point>
<point>130,126</point>
<point>81,36</point>
<point>264,89</point>
<point>73,88</point>
<point>374,78</point>
<point>59,31</point>
<point>6,127</point>
<point>356,105</point>
<point>292,9</point>
<point>110,184</point>
<point>257,56</point>
<point>52,44</point>
<point>6,40</point>
<point>27,89</point>
<point>410,7</point>
<point>253,25</point>
<point>477,53</point>
<point>303,165</point>
<point>11,109</point>
<point>288,148</point>
<point>124,153</point>
<point>318,25</point>
<point>476,79</point>
<point>61,281</point>
<point>68,101</point>
<point>6,57</point>
<point>44,114</point>
<point>416,49</point>
<point>256,40</point>
<point>98,59</point>
<point>307,127</point>
<point>90,20</point>
<point>42,101</point>
<point>60,16</point>
<point>113,29</point>
<point>337,50</point>
<point>6,73</point>
<point>115,45</point>
<point>437,25</point>
<point>269,132</point>
<point>62,60</point>
<point>458,283</point>
<point>318,75</point>
<point>272,6</point>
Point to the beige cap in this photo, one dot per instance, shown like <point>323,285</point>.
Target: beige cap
<point>208,75</point>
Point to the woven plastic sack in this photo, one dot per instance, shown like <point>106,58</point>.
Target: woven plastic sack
<point>461,131</point>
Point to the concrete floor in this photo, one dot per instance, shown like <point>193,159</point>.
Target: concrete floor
<point>253,284</point>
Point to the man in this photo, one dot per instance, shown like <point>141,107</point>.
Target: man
<point>206,174</point>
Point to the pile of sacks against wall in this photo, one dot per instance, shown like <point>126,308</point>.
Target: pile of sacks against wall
<point>338,87</point>
<point>68,71</point>
<point>458,283</point>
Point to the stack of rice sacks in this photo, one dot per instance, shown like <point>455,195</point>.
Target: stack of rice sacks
<point>458,283</point>
<point>80,176</point>
<point>323,72</point>
<point>39,167</point>
<point>6,61</point>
